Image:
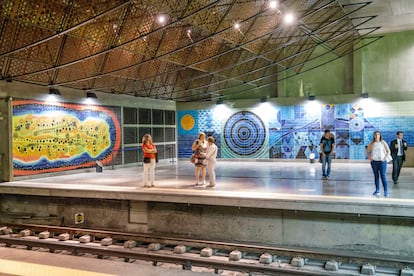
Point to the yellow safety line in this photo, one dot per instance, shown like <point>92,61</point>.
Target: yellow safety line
<point>29,269</point>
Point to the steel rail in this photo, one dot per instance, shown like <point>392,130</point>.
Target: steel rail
<point>343,256</point>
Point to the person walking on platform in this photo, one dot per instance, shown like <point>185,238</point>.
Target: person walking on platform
<point>398,147</point>
<point>199,148</point>
<point>149,149</point>
<point>211,157</point>
<point>377,152</point>
<point>327,146</point>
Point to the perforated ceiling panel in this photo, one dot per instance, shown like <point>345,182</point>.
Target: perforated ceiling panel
<point>203,50</point>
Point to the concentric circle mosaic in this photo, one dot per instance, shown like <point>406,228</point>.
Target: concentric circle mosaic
<point>244,133</point>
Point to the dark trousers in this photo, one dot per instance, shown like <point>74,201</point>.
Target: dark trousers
<point>397,163</point>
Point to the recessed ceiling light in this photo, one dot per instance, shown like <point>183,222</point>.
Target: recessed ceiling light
<point>162,19</point>
<point>289,18</point>
<point>273,5</point>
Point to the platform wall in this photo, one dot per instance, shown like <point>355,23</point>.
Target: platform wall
<point>366,233</point>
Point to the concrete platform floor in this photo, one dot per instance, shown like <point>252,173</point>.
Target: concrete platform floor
<point>247,177</point>
<point>291,178</point>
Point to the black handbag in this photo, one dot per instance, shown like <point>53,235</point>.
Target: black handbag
<point>147,160</point>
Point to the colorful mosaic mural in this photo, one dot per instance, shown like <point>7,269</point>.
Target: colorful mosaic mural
<point>59,136</point>
<point>294,132</point>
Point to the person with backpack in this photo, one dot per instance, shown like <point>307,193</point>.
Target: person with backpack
<point>327,146</point>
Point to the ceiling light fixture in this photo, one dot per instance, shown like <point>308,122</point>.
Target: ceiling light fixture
<point>237,27</point>
<point>273,4</point>
<point>91,95</point>
<point>54,91</point>
<point>289,18</point>
<point>189,35</point>
<point>162,19</point>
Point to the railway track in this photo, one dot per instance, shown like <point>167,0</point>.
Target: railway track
<point>189,253</point>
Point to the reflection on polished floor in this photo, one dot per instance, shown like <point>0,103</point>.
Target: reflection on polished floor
<point>347,179</point>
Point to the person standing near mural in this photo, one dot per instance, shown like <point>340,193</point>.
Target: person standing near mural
<point>199,148</point>
<point>327,146</point>
<point>377,152</point>
<point>149,149</point>
<point>211,157</point>
<point>398,147</point>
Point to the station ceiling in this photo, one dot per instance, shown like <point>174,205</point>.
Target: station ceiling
<point>185,51</point>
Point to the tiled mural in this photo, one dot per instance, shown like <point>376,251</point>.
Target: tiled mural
<point>294,132</point>
<point>50,137</point>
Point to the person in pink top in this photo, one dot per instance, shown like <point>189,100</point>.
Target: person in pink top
<point>149,149</point>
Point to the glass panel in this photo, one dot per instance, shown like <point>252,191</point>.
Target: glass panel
<point>130,135</point>
<point>130,115</point>
<point>145,116</point>
<point>169,134</point>
<point>157,117</point>
<point>169,117</point>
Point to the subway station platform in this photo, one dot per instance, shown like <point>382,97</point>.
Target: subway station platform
<point>275,203</point>
<point>260,184</point>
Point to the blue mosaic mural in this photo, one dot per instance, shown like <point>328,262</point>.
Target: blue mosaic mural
<point>244,134</point>
<point>294,132</point>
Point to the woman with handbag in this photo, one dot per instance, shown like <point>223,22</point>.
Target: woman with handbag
<point>200,148</point>
<point>377,154</point>
<point>150,150</point>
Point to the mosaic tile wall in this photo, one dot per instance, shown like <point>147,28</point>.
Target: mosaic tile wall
<point>294,132</point>
<point>53,137</point>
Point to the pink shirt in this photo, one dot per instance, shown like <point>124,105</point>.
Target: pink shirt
<point>149,147</point>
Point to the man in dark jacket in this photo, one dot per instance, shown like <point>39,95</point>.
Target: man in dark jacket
<point>398,147</point>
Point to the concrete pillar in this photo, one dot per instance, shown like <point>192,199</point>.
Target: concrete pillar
<point>64,237</point>
<point>206,252</point>
<point>85,239</point>
<point>235,255</point>
<point>25,233</point>
<point>130,244</point>
<point>44,235</point>
<point>5,230</point>
<point>266,258</point>
<point>180,249</point>
<point>407,272</point>
<point>106,241</point>
<point>297,261</point>
<point>332,265</point>
<point>154,246</point>
<point>368,269</point>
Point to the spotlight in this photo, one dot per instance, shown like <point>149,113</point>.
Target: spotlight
<point>289,18</point>
<point>311,98</point>
<point>273,4</point>
<point>54,91</point>
<point>162,19</point>
<point>219,101</point>
<point>91,95</point>
<point>364,95</point>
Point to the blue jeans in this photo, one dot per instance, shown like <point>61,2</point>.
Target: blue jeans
<point>326,160</point>
<point>379,168</point>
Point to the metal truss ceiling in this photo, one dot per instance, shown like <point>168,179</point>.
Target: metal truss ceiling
<point>195,55</point>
